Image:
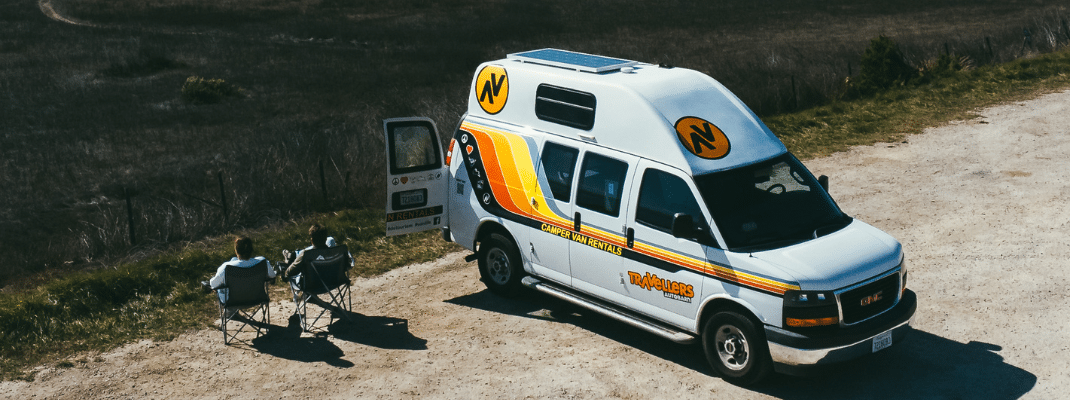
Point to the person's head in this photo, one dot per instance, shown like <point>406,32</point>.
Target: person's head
<point>319,235</point>
<point>243,248</point>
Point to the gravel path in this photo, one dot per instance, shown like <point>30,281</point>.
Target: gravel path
<point>981,207</point>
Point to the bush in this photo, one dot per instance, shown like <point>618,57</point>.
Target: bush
<point>198,90</point>
<point>883,66</point>
<point>946,65</point>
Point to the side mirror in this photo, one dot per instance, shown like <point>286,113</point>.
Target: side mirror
<point>824,182</point>
<point>683,226</point>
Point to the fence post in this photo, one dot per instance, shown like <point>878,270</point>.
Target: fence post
<point>345,186</point>
<point>946,51</point>
<point>222,196</point>
<point>129,215</point>
<point>794,95</point>
<point>988,46</point>
<point>323,184</point>
<point>849,71</point>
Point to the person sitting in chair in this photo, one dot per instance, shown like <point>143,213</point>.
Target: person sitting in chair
<point>320,240</point>
<point>243,249</point>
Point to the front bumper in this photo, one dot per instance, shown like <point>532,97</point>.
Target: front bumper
<point>791,350</point>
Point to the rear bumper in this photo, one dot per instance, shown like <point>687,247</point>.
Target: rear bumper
<point>791,350</point>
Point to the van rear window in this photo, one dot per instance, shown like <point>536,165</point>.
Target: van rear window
<point>565,106</point>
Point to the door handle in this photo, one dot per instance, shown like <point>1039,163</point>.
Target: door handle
<point>576,222</point>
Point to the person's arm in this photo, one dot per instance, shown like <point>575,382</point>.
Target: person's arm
<point>271,271</point>
<point>295,267</point>
<point>220,278</point>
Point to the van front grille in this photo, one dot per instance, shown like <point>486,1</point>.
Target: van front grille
<point>863,302</point>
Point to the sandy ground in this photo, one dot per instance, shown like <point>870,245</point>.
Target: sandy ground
<point>980,206</point>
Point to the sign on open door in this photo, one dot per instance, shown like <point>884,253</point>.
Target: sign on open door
<point>416,176</point>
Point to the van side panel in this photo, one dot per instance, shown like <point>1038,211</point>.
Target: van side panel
<point>463,219</point>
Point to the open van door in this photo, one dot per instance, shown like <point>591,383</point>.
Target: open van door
<point>416,176</point>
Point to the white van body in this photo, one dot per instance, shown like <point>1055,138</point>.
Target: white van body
<point>653,195</point>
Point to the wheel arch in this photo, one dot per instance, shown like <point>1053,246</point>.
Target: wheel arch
<point>719,303</point>
<point>489,226</point>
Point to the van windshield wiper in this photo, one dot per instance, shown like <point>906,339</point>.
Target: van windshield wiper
<point>832,227</point>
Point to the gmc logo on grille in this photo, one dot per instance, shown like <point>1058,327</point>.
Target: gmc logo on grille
<point>871,299</point>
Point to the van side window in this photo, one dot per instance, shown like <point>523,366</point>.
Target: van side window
<point>565,106</point>
<point>558,162</point>
<point>661,196</point>
<point>601,184</point>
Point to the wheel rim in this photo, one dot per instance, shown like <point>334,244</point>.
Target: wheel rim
<point>498,266</point>
<point>732,347</point>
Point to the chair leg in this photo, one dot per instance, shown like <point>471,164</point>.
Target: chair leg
<point>223,324</point>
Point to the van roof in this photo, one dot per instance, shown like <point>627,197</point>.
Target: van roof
<point>676,116</point>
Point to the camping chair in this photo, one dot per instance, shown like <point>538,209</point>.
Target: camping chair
<point>325,272</point>
<point>247,296</point>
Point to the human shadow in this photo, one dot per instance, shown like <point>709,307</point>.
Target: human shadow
<point>286,342</point>
<point>376,331</point>
<point>923,365</point>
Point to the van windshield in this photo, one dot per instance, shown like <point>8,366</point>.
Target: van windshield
<point>769,205</point>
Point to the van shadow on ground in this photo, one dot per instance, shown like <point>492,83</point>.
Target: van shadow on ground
<point>922,366</point>
<point>383,332</point>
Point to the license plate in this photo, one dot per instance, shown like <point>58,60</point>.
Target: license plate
<point>882,341</point>
<point>412,197</point>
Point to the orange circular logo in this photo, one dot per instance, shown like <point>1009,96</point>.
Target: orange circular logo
<point>702,138</point>
<point>492,88</point>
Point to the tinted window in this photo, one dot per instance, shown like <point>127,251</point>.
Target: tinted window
<point>415,147</point>
<point>601,184</point>
<point>565,106</point>
<point>558,162</point>
<point>661,196</point>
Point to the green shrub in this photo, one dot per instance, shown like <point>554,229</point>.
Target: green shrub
<point>945,66</point>
<point>882,67</point>
<point>198,90</point>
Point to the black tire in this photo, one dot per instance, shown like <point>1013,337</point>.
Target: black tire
<point>500,265</point>
<point>736,349</point>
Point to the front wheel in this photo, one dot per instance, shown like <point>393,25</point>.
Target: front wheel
<point>735,349</point>
<point>500,266</point>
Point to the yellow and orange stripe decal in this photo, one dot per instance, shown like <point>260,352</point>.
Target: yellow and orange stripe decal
<point>512,177</point>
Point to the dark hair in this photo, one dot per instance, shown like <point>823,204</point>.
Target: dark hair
<point>318,234</point>
<point>243,247</point>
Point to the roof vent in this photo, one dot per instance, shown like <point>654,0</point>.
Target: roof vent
<point>572,60</point>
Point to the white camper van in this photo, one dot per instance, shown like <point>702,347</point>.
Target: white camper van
<point>653,195</point>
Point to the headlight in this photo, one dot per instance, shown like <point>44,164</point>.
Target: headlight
<point>809,308</point>
<point>903,281</point>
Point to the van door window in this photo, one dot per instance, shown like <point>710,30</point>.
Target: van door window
<point>601,184</point>
<point>558,162</point>
<point>415,147</point>
<point>661,196</point>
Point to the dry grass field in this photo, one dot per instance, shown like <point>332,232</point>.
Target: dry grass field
<point>93,123</point>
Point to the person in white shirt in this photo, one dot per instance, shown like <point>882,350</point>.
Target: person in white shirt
<point>243,249</point>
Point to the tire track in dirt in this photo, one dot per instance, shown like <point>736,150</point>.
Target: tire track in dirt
<point>49,10</point>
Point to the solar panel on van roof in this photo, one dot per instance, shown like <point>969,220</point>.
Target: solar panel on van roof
<point>572,60</point>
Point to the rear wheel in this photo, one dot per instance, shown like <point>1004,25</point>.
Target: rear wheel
<point>500,266</point>
<point>735,348</point>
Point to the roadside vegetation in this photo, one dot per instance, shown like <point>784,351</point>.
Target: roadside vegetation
<point>135,150</point>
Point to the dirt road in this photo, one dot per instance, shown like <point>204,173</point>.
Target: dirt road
<point>981,208</point>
